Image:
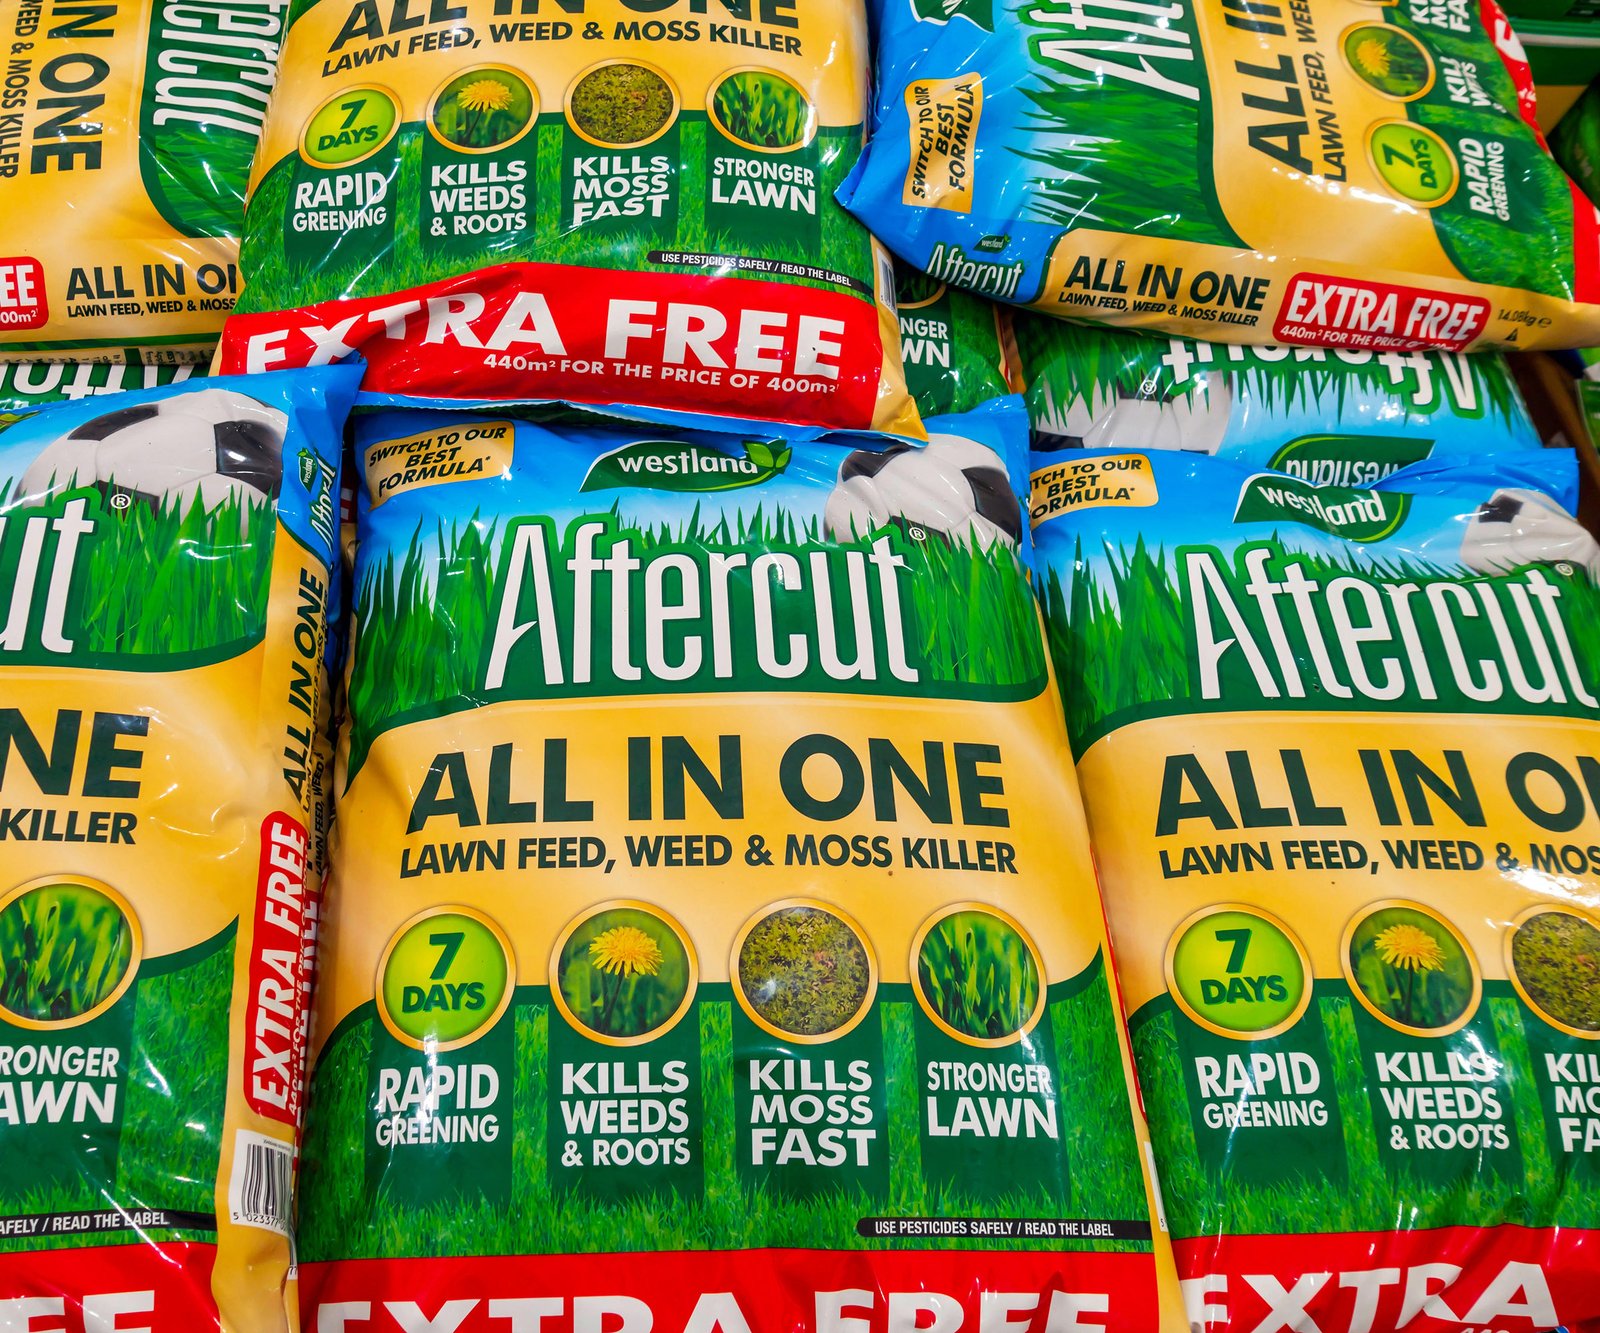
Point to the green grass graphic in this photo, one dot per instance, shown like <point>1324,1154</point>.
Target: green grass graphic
<point>337,1222</point>
<point>169,581</point>
<point>1106,156</point>
<point>423,618</point>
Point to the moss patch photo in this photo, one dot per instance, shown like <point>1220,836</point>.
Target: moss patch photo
<point>979,976</point>
<point>624,975</point>
<point>621,104</point>
<point>804,971</point>
<point>1556,958</point>
<point>1411,969</point>
<point>65,950</point>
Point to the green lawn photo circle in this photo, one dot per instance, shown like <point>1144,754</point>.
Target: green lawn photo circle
<point>1555,966</point>
<point>350,127</point>
<point>621,104</point>
<point>1411,969</point>
<point>762,110</point>
<point>482,109</point>
<point>803,971</point>
<point>1388,59</point>
<point>1239,972</point>
<point>623,974</point>
<point>445,979</point>
<point>68,952</point>
<point>977,975</point>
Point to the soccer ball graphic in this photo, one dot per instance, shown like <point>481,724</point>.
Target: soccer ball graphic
<point>952,486</point>
<point>212,445</point>
<point>1519,527</point>
<point>1195,421</point>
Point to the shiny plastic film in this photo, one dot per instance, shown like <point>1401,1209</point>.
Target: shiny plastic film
<point>1337,173</point>
<point>166,559</point>
<point>617,203</point>
<point>25,384</point>
<point>1345,818</point>
<point>716,939</point>
<point>1327,415</point>
<point>126,134</point>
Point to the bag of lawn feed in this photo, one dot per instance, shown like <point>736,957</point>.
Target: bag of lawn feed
<point>126,133</point>
<point>622,202</point>
<point>1328,416</point>
<point>716,943</point>
<point>1328,172</point>
<point>165,564</point>
<point>958,348</point>
<point>1340,750</point>
<point>26,384</point>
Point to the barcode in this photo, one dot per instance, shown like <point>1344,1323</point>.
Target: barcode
<point>886,281</point>
<point>258,1193</point>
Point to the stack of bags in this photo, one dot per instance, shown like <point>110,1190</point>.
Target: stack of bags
<point>665,745</point>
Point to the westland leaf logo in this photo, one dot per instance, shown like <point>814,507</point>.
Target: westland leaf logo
<point>675,465</point>
<point>1342,511</point>
<point>980,13</point>
<point>1348,460</point>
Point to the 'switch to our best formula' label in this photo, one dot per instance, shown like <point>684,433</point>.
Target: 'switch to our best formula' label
<point>628,961</point>
<point>622,203</point>
<point>1345,815</point>
<point>163,797</point>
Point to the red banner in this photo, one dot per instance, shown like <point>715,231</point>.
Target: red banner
<point>1377,316</point>
<point>735,346</point>
<point>24,303</point>
<point>736,1291</point>
<point>1506,1279</point>
<point>113,1289</point>
<point>282,972</point>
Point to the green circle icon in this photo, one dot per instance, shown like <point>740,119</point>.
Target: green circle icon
<point>350,127</point>
<point>1238,972</point>
<point>1413,162</point>
<point>445,979</point>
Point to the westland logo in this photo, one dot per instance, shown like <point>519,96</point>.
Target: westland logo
<point>1355,515</point>
<point>673,465</point>
<point>979,13</point>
